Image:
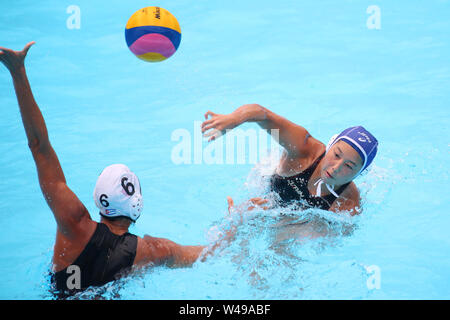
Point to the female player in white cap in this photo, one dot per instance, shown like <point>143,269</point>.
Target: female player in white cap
<point>96,252</point>
<point>309,174</point>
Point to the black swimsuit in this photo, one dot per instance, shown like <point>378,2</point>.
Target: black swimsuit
<point>295,188</point>
<point>105,258</point>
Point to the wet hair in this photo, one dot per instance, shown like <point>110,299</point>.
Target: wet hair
<point>118,219</point>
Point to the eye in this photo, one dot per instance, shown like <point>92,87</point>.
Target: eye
<point>351,168</point>
<point>337,156</point>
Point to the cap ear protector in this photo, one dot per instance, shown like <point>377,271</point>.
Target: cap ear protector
<point>331,142</point>
<point>118,193</point>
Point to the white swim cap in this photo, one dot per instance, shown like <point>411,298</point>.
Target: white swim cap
<point>118,193</point>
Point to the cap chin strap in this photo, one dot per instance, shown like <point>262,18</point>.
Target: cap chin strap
<point>319,188</point>
<point>320,181</point>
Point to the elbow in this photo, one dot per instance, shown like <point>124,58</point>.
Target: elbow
<point>38,146</point>
<point>254,112</point>
<point>256,106</point>
<point>34,145</point>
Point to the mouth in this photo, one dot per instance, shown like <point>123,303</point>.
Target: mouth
<point>329,175</point>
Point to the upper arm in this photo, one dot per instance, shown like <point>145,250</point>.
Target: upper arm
<point>292,137</point>
<point>65,205</point>
<point>349,201</point>
<point>163,251</point>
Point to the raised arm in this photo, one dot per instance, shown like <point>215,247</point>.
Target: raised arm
<point>292,137</point>
<point>67,209</point>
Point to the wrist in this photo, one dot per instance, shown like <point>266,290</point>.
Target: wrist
<point>238,117</point>
<point>17,71</point>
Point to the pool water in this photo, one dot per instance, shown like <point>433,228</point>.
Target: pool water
<point>315,63</point>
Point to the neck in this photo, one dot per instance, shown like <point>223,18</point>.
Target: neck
<point>118,227</point>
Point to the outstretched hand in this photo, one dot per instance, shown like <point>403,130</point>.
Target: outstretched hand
<point>246,206</point>
<point>257,202</point>
<point>14,60</point>
<point>230,233</point>
<point>217,125</point>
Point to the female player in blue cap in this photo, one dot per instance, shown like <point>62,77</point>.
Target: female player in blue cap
<point>98,252</point>
<point>309,174</point>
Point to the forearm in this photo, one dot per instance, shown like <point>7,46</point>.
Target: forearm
<point>47,163</point>
<point>32,118</point>
<point>249,113</point>
<point>265,118</point>
<point>184,256</point>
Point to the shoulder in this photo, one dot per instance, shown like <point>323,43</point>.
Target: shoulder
<point>81,229</point>
<point>313,150</point>
<point>351,192</point>
<point>349,200</point>
<point>297,163</point>
<point>309,148</point>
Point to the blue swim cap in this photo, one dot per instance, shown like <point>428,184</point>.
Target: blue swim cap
<point>361,140</point>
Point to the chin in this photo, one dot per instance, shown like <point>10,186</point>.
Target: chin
<point>326,179</point>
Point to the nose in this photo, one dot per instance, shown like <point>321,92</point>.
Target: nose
<point>337,167</point>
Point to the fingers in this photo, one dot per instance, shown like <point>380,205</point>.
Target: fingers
<point>207,127</point>
<point>210,124</point>
<point>252,207</point>
<point>212,134</point>
<point>209,133</point>
<point>5,49</point>
<point>209,113</point>
<point>230,203</point>
<point>206,123</point>
<point>28,46</point>
<point>259,201</point>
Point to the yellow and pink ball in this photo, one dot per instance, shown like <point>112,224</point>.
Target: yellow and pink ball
<point>153,34</point>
